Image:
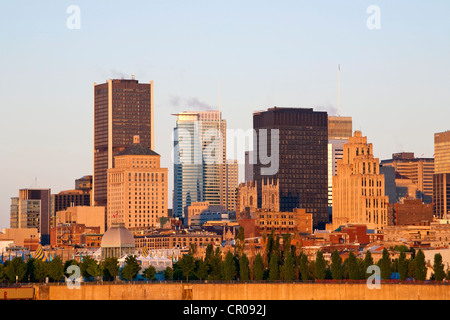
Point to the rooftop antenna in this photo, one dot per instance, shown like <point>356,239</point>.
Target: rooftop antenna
<point>339,90</point>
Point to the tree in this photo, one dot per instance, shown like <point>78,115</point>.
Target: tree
<point>367,262</point>
<point>385,265</point>
<point>131,268</point>
<point>229,267</point>
<point>352,267</point>
<point>90,268</point>
<point>411,268</point>
<point>215,265</point>
<point>420,268</point>
<point>110,268</point>
<point>209,253</point>
<point>304,267</point>
<point>402,266</point>
<point>150,273</point>
<point>273,267</point>
<point>201,270</point>
<point>240,241</point>
<point>288,266</point>
<point>438,268</point>
<point>244,268</point>
<point>55,269</point>
<point>187,265</point>
<point>320,266</point>
<point>168,273</point>
<point>336,266</point>
<point>258,268</point>
<point>2,272</point>
<point>16,269</point>
<point>39,270</point>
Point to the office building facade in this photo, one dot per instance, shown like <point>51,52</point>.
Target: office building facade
<point>199,160</point>
<point>419,170</point>
<point>32,209</point>
<point>123,108</point>
<point>299,155</point>
<point>358,188</point>
<point>137,188</point>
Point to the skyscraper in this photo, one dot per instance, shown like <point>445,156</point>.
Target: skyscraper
<point>32,209</point>
<point>358,188</point>
<point>441,177</point>
<point>123,108</point>
<point>339,130</point>
<point>419,170</point>
<point>291,149</point>
<point>199,160</point>
<point>137,188</point>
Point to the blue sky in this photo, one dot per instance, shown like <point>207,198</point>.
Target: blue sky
<point>395,80</point>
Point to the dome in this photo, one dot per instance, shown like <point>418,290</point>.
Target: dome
<point>118,237</point>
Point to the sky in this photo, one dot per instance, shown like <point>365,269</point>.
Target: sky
<point>250,55</point>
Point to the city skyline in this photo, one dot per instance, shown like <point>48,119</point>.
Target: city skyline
<point>257,55</point>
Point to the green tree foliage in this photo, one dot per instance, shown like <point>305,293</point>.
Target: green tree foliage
<point>258,268</point>
<point>438,268</point>
<point>420,269</point>
<point>187,265</point>
<point>37,270</point>
<point>131,268</point>
<point>411,268</point>
<point>367,262</point>
<point>320,266</point>
<point>55,269</point>
<point>304,267</point>
<point>385,265</point>
<point>353,267</point>
<point>110,267</point>
<point>16,268</point>
<point>2,272</point>
<point>215,265</point>
<point>273,267</point>
<point>201,269</point>
<point>229,267</point>
<point>168,273</point>
<point>209,253</point>
<point>150,273</point>
<point>244,268</point>
<point>336,267</point>
<point>240,241</point>
<point>288,266</point>
<point>402,266</point>
<point>90,268</point>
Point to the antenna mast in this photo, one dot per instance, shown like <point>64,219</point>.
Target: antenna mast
<point>339,90</point>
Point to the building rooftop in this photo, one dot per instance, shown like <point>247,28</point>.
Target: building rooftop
<point>137,149</point>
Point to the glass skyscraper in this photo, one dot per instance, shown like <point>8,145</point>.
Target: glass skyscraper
<point>199,160</point>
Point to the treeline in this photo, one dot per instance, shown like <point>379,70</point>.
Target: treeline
<point>35,270</point>
<point>282,263</point>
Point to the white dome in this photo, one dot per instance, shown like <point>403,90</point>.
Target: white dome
<point>118,237</point>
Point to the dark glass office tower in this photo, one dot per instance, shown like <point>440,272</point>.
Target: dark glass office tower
<point>302,158</point>
<point>123,108</point>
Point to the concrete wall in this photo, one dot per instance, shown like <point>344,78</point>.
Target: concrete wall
<point>253,291</point>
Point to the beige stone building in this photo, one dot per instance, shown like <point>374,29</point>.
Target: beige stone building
<point>19,235</point>
<point>358,188</point>
<point>137,188</point>
<point>89,216</point>
<point>297,221</point>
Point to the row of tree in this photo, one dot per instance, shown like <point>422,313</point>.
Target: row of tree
<point>35,270</point>
<point>281,262</point>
